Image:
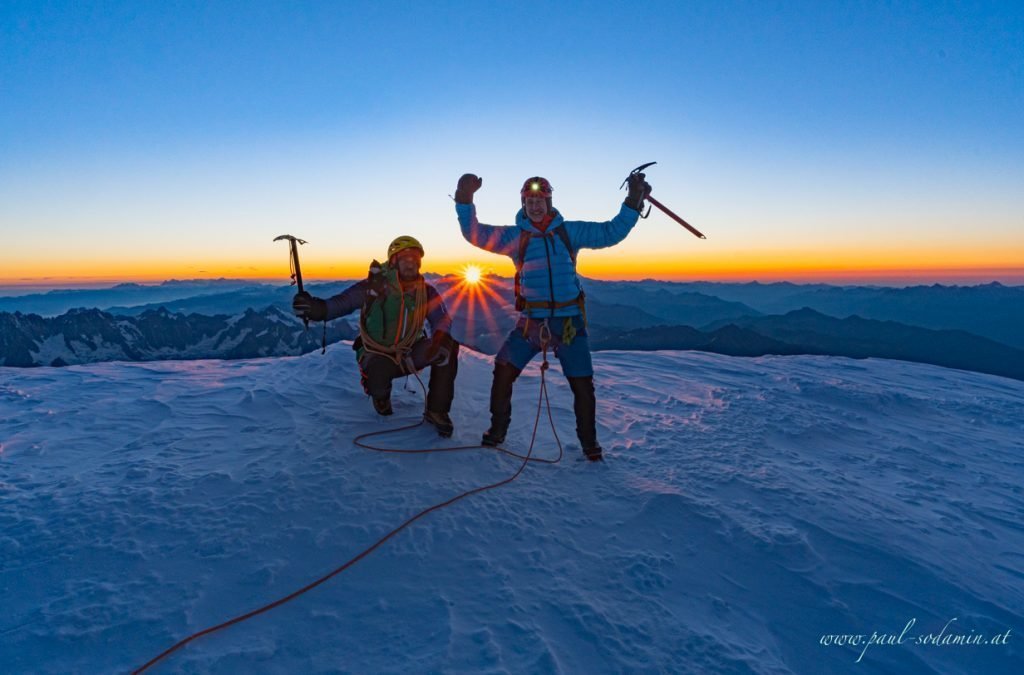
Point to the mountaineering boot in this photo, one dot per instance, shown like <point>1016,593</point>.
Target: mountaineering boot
<point>440,421</point>
<point>505,375</point>
<point>492,439</point>
<point>584,403</point>
<point>383,405</point>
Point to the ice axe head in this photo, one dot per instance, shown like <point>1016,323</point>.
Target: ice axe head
<point>636,171</point>
<point>655,202</point>
<point>289,238</point>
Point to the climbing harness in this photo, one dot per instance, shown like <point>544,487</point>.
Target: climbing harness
<point>569,331</point>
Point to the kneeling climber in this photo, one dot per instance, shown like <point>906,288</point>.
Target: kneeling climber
<point>395,301</point>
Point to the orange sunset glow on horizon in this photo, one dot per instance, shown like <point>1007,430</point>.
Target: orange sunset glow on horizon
<point>807,270</point>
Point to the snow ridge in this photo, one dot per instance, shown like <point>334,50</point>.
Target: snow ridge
<point>747,508</point>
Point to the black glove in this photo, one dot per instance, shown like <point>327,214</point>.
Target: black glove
<point>468,184</point>
<point>376,283</point>
<point>639,188</point>
<point>439,342</point>
<point>307,307</point>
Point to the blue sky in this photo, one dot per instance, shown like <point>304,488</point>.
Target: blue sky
<point>784,129</point>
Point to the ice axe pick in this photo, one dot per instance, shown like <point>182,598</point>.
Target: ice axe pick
<point>654,202</point>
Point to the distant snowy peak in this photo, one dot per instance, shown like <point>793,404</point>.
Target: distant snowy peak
<point>54,302</point>
<point>807,331</point>
<point>90,336</point>
<point>220,282</point>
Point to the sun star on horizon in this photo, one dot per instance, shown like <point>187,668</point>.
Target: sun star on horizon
<point>470,296</point>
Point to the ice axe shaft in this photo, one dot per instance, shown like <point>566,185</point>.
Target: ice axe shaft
<point>668,212</point>
<point>295,259</point>
<point>293,245</point>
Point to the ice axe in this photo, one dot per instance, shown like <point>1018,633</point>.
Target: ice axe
<point>293,243</point>
<point>668,212</point>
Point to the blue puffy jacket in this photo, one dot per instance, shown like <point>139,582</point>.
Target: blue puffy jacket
<point>548,270</point>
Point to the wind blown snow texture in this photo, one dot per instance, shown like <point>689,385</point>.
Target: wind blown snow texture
<point>747,508</point>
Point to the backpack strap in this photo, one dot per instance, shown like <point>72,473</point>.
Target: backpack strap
<point>524,241</point>
<point>564,236</point>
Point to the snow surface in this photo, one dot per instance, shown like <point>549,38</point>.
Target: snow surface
<point>748,508</point>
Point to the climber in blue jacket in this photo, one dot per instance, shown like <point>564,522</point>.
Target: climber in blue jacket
<point>548,293</point>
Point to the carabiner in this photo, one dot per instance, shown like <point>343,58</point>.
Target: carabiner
<point>544,334</point>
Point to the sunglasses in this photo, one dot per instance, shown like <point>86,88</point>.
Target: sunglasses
<point>408,254</point>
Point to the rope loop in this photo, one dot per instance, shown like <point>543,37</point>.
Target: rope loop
<point>358,440</point>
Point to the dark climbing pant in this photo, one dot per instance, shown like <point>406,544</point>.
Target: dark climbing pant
<point>584,404</point>
<point>379,371</point>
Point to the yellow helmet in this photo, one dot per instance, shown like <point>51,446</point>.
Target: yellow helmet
<point>403,243</point>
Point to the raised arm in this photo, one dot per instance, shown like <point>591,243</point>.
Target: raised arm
<point>495,238</point>
<point>585,234</point>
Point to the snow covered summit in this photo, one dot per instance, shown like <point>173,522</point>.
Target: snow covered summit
<point>766,515</point>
